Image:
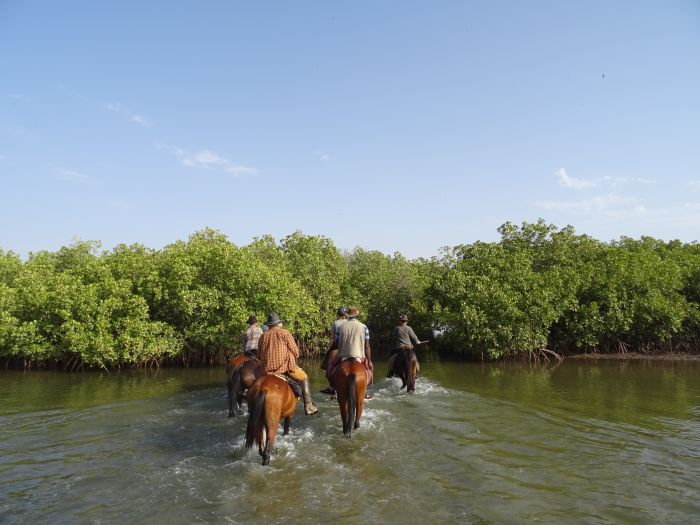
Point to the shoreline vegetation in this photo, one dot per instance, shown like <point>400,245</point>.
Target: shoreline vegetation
<point>636,356</point>
<point>539,293</point>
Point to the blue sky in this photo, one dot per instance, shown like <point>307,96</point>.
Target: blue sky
<point>395,126</point>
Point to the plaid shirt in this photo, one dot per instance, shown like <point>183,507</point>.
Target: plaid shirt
<point>277,350</point>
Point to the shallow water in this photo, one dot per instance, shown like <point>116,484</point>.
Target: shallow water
<point>606,442</point>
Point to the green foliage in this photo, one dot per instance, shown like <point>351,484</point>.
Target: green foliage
<point>318,266</point>
<point>384,286</point>
<point>538,287</point>
<point>542,287</point>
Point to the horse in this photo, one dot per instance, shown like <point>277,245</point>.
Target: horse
<point>270,399</point>
<point>350,381</point>
<point>406,367</point>
<point>241,379</point>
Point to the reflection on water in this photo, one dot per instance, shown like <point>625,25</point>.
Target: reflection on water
<point>607,442</point>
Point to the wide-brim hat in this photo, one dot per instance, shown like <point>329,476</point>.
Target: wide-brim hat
<point>252,319</point>
<point>353,312</point>
<point>273,319</point>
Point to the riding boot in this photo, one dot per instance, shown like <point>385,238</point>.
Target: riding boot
<point>309,407</point>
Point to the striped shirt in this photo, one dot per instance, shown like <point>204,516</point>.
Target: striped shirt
<point>277,350</point>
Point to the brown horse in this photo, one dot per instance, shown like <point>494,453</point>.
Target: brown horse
<point>350,382</point>
<point>232,365</point>
<point>406,367</point>
<point>270,399</point>
<point>239,380</point>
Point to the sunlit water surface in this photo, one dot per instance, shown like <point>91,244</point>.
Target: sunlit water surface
<point>605,442</point>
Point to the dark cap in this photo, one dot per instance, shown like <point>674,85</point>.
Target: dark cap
<point>274,319</point>
<point>343,310</point>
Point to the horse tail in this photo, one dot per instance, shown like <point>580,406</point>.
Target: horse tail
<point>352,404</point>
<point>256,419</point>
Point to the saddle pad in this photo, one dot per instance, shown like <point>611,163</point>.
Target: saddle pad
<point>293,384</point>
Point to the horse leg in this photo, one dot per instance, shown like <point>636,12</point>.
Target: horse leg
<point>413,372</point>
<point>351,405</point>
<point>271,431</point>
<point>343,403</point>
<point>287,421</point>
<point>360,405</point>
<point>261,439</point>
<point>234,393</point>
<point>265,453</point>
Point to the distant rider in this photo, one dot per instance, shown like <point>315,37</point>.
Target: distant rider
<point>251,337</point>
<point>402,338</point>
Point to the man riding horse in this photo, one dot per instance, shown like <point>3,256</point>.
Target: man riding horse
<point>277,352</point>
<point>403,338</point>
<point>353,343</point>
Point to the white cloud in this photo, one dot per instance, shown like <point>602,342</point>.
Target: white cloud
<point>141,120</point>
<point>572,182</point>
<point>602,203</point>
<point>694,184</point>
<point>209,160</point>
<point>323,156</point>
<point>578,184</point>
<point>70,175</point>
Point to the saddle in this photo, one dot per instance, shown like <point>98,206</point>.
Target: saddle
<point>293,384</point>
<point>252,353</point>
<point>364,362</point>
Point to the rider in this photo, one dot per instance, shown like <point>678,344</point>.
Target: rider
<point>402,338</point>
<point>277,351</point>
<point>251,337</point>
<point>342,314</point>
<point>353,343</point>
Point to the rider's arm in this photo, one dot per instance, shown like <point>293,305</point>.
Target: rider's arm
<point>368,351</point>
<point>292,345</point>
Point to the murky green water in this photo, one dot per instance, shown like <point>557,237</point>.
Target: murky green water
<point>612,442</point>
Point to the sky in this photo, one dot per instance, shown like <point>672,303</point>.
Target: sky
<point>398,126</point>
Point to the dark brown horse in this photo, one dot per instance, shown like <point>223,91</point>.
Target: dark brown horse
<point>270,399</point>
<point>240,380</point>
<point>406,367</point>
<point>350,382</point>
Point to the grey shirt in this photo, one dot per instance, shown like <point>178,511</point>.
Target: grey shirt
<point>402,336</point>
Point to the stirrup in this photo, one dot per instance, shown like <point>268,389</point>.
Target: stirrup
<point>310,409</point>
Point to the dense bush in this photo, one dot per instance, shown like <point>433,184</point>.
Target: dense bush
<point>538,289</point>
